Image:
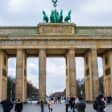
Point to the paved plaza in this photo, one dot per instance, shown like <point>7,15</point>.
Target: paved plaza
<point>57,108</point>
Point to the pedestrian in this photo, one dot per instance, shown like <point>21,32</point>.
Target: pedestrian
<point>67,103</point>
<point>59,99</point>
<point>50,105</point>
<point>81,104</point>
<point>99,104</point>
<point>7,105</point>
<point>19,106</point>
<point>72,104</point>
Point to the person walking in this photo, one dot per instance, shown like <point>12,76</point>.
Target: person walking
<point>18,106</point>
<point>72,104</point>
<point>67,103</point>
<point>7,105</point>
<point>59,99</point>
<point>50,105</point>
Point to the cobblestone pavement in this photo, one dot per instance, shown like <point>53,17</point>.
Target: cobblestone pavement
<point>56,108</point>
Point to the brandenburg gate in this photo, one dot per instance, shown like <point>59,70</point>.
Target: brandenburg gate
<point>53,39</point>
<point>64,40</point>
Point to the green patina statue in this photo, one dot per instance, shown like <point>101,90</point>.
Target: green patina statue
<point>61,16</point>
<point>68,17</point>
<point>54,2</point>
<point>45,17</point>
<point>55,16</point>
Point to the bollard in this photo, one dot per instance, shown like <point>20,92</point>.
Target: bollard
<point>42,106</point>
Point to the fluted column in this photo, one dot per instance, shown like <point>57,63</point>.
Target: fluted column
<point>3,75</point>
<point>107,72</point>
<point>71,89</point>
<point>91,75</point>
<point>42,74</point>
<point>21,81</point>
<point>67,78</point>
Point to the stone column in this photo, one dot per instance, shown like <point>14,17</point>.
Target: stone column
<point>21,81</point>
<point>42,74</point>
<point>107,73</point>
<point>70,74</point>
<point>67,78</point>
<point>3,75</point>
<point>91,75</point>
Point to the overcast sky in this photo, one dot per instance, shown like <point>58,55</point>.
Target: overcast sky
<point>29,13</point>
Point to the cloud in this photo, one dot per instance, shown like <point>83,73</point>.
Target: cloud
<point>12,67</point>
<point>1,20</point>
<point>33,79</point>
<point>29,12</point>
<point>100,66</point>
<point>92,13</point>
<point>98,6</point>
<point>79,67</point>
<point>55,75</point>
<point>32,66</point>
<point>55,66</point>
<point>33,71</point>
<point>22,12</point>
<point>20,6</point>
<point>55,83</point>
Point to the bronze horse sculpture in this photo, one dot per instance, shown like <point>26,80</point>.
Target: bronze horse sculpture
<point>45,17</point>
<point>68,17</point>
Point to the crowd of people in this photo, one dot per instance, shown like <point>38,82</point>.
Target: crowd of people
<point>8,104</point>
<point>57,100</point>
<point>74,104</point>
<point>78,104</point>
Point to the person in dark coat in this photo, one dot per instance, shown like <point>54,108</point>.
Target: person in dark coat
<point>81,105</point>
<point>67,103</point>
<point>100,104</point>
<point>7,105</point>
<point>18,106</point>
<point>72,104</point>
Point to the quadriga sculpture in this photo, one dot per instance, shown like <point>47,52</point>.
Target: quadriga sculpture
<point>68,17</point>
<point>45,17</point>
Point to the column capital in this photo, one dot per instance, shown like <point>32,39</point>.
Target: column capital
<point>22,50</point>
<point>94,50</point>
<point>42,49</point>
<point>42,52</point>
<point>71,52</point>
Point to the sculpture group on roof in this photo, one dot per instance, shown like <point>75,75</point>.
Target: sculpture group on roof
<point>55,16</point>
